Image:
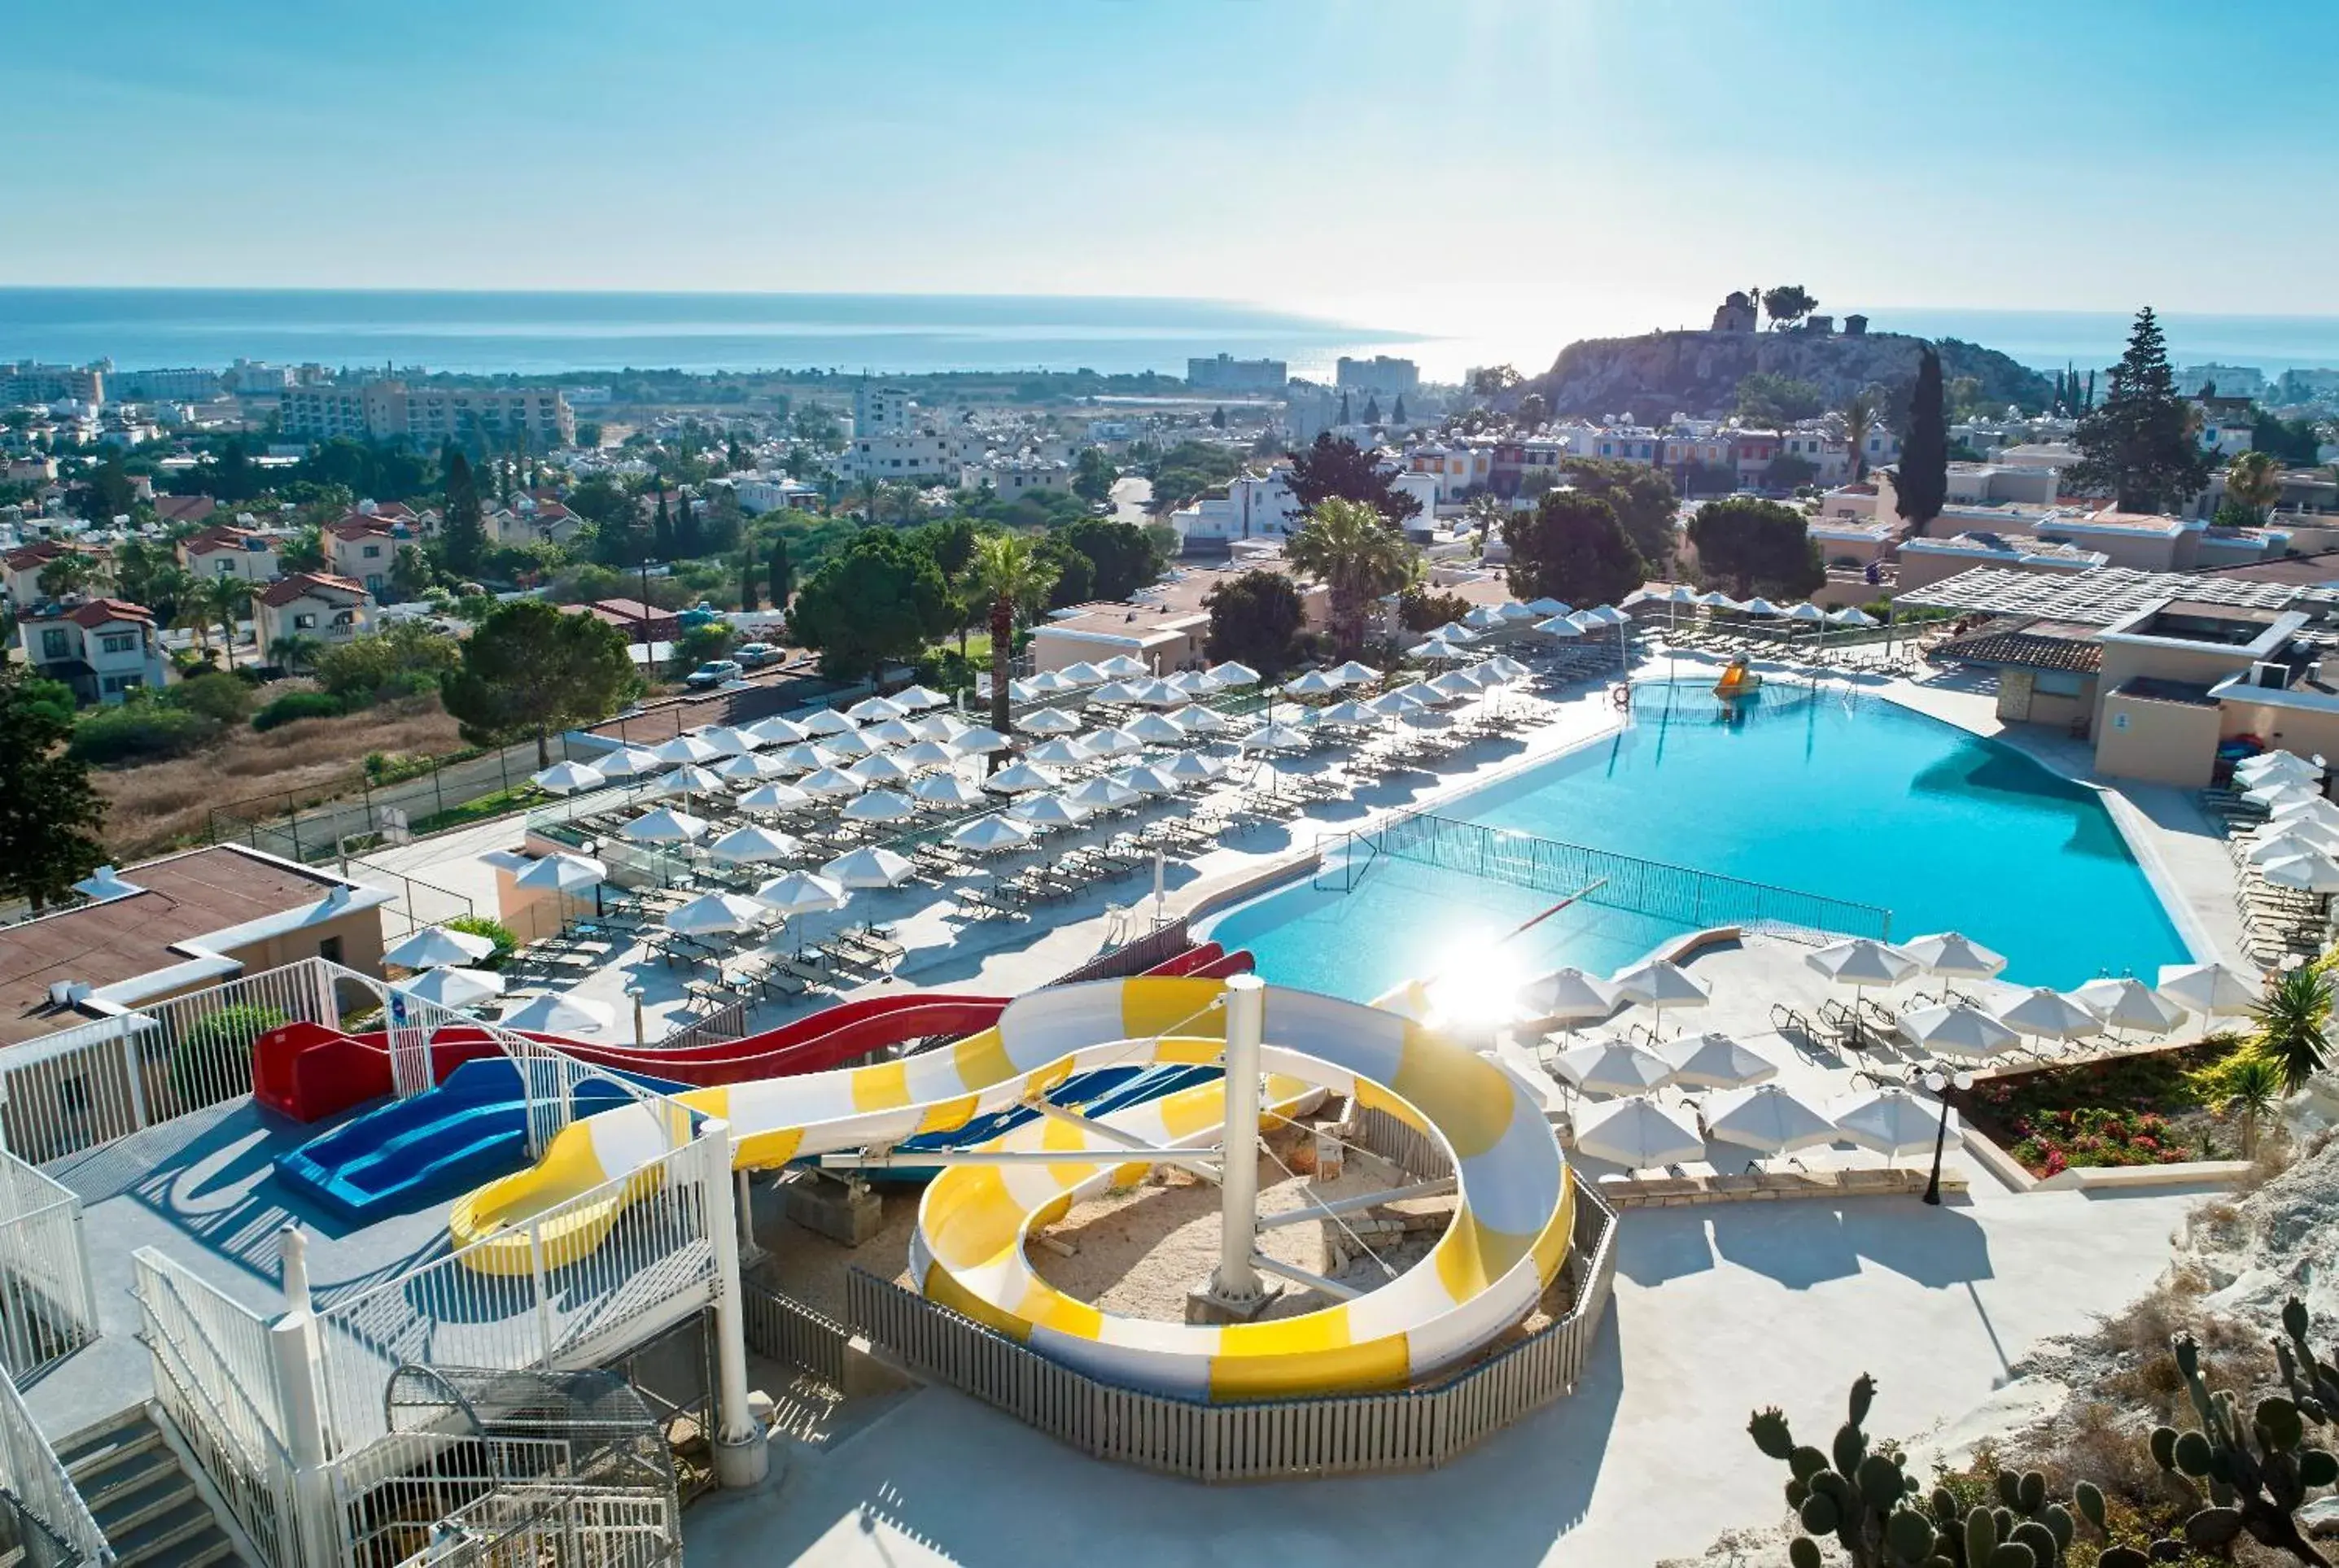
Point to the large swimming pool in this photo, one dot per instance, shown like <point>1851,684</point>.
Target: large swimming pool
<point>1855,798</point>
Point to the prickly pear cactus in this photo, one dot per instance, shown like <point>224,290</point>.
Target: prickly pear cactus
<point>2257,1471</point>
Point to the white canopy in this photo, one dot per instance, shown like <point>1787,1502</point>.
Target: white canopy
<point>1312,684</point>
<point>628,762</point>
<point>569,778</point>
<point>1438,651</point>
<point>1862,962</point>
<point>2050,1015</point>
<point>2312,873</point>
<point>750,766</point>
<point>827,722</point>
<point>1083,674</point>
<point>1195,683</point>
<point>1274,737</point>
<point>1049,721</point>
<point>553,1013</point>
<point>1155,729</point>
<point>1717,600</point>
<point>829,783</point>
<point>745,845</point>
<point>774,797</point>
<point>1189,767</point>
<point>2211,990</point>
<point>849,743</point>
<point>944,790</point>
<point>731,741</point>
<point>1232,675</point>
<point>451,988</point>
<point>561,872</point>
<point>1111,743</point>
<point>869,710</point>
<point>1059,750</point>
<point>1100,794</point>
<point>1355,673</point>
<point>717,912</point>
<point>1661,983</point>
<point>1350,715</point>
<point>1954,956</point>
<point>879,806</point>
<point>1891,1121</point>
<point>1958,1031</point>
<point>1612,1067</point>
<point>1567,993</point>
<point>2128,1003</point>
<point>1550,606</point>
<point>1155,779</point>
<point>979,741</point>
<point>1559,627</point>
<point>868,867</point>
<point>691,779</point>
<point>1768,1116</point>
<point>917,699</point>
<point>1200,721</point>
<point>1018,777</point>
<point>808,756</point>
<point>777,731</point>
<point>1715,1061</point>
<point>925,755</point>
<point>1121,668</point>
<point>687,748</point>
<point>890,732</point>
<point>988,835</point>
<point>1048,811</point>
<point>1637,1133</point>
<point>436,947</point>
<point>1806,613</point>
<point>2268,766</point>
<point>1852,615</point>
<point>1759,605</point>
<point>664,825</point>
<point>801,893</point>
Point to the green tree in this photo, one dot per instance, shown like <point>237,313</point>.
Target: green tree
<point>1485,513</point>
<point>1126,556</point>
<point>1255,619</point>
<point>2254,1090</point>
<point>49,812</point>
<point>688,544</point>
<point>1859,419</point>
<point>1397,412</point>
<point>1787,304</point>
<point>1420,611</point>
<point>139,565</point>
<point>1920,484</point>
<point>214,1055</point>
<point>2254,480</point>
<point>229,600</point>
<point>2138,444</point>
<point>463,533</point>
<point>1093,476</point>
<point>1336,468</point>
<point>1772,401</point>
<point>701,644</point>
<point>1643,497</point>
<point>1013,579</point>
<point>1219,417</point>
<point>781,577</point>
<point>1353,548</point>
<point>75,572</point>
<point>881,598</point>
<point>1572,547</point>
<point>1757,545</point>
<point>2294,443</point>
<point>2293,1022</point>
<point>304,551</point>
<point>748,580</point>
<point>528,670</point>
<point>106,492</point>
<point>1076,574</point>
<point>662,529</point>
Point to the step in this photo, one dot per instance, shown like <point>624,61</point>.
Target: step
<point>199,1552</point>
<point>154,1497</point>
<point>154,1540</point>
<point>130,1426</point>
<point>100,1468</point>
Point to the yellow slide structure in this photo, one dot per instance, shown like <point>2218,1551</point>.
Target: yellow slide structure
<point>1513,1218</point>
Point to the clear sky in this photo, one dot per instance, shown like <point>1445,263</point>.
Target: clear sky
<point>1450,166</point>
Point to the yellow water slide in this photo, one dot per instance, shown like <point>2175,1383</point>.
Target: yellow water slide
<point>1514,1210</point>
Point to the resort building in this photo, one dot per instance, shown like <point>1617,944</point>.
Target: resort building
<point>1225,374</point>
<point>909,455</point>
<point>1021,474</point>
<point>103,649</point>
<point>427,416</point>
<point>761,493</point>
<point>313,604</point>
<point>1254,506</point>
<point>1166,627</point>
<point>1382,375</point>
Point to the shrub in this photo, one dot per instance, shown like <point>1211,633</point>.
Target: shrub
<point>139,732</point>
<point>495,931</point>
<point>221,696</point>
<point>214,1059</point>
<point>295,706</point>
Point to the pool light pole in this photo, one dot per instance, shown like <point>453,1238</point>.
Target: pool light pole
<point>1940,1083</point>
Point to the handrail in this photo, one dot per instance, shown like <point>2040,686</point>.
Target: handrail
<point>37,1479</point>
<point>260,1419</point>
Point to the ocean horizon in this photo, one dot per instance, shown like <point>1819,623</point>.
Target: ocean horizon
<point>579,334</point>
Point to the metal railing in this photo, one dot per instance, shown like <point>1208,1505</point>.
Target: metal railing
<point>577,1304</point>
<point>48,1308</point>
<point>1678,894</point>
<point>215,1378</point>
<point>525,1526</point>
<point>301,827</point>
<point>44,1496</point>
<point>794,1334</point>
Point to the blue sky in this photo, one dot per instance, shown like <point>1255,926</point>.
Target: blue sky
<point>1453,166</point>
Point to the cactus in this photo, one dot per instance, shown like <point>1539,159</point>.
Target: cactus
<point>2256,1474</point>
<point>2313,1383</point>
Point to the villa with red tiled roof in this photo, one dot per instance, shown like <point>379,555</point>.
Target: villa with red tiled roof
<point>228,551</point>
<point>20,568</point>
<point>317,605</point>
<point>102,648</point>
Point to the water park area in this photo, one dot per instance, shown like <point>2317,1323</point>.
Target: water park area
<point>1373,1112</point>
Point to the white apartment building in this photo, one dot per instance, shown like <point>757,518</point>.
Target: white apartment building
<point>911,456</point>
<point>761,493</point>
<point>1255,506</point>
<point>391,410</point>
<point>1024,474</point>
<point>228,551</point>
<point>1383,374</point>
<point>881,411</point>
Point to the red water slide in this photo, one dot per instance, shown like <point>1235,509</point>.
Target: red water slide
<point>309,1072</point>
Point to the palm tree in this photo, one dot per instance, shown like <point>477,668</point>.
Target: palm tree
<point>2253,1091</point>
<point>1352,549</point>
<point>1009,573</point>
<point>1486,514</point>
<point>1859,419</point>
<point>2254,479</point>
<point>296,653</point>
<point>2294,1024</point>
<point>226,597</point>
<point>70,573</point>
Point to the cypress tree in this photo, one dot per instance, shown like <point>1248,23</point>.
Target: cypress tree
<point>1922,485</point>
<point>748,578</point>
<point>464,531</point>
<point>2139,444</point>
<point>1397,414</point>
<point>782,575</point>
<point>686,542</point>
<point>662,529</point>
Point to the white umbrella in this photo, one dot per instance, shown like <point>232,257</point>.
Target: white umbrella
<point>1438,651</point>
<point>750,766</point>
<point>1806,613</point>
<point>1053,681</point>
<point>1048,811</point>
<point>944,726</point>
<point>731,742</point>
<point>1021,777</point>
<point>691,779</point>
<point>879,806</point>
<point>664,825</point>
<point>829,783</point>
<point>436,947</point>
<point>1195,683</point>
<point>1483,617</point>
<point>1427,719</point>
<point>1550,606</point>
<point>1060,751</point>
<point>1156,694</point>
<point>1511,610</point>
<point>1768,1118</point>
<point>1312,684</point>
<point>890,732</point>
<point>1559,627</point>
<point>553,1013</point>
<point>988,835</point>
<point>1350,715</point>
<point>1717,600</point>
<point>2311,872</point>
<point>1189,767</point>
<point>1201,721</point>
<point>1638,1134</point>
<point>1714,1060</point>
<point>1454,684</point>
<point>569,778</point>
<point>1454,632</point>
<point>1355,673</point>
<point>1507,668</point>
<point>2319,812</point>
<point>777,731</point>
<point>1156,780</point>
<point>2211,990</point>
<point>451,988</point>
<point>1852,615</point>
<point>2271,765</point>
<point>1083,674</point>
<point>1049,721</point>
<point>1121,668</point>
<point>774,797</point>
<point>925,755</point>
<point>977,741</point>
<point>944,790</point>
<point>1954,956</point>
<point>2050,1015</point>
<point>1612,1067</point>
<point>2289,840</point>
<point>1961,1030</point>
<point>1759,605</point>
<point>628,762</point>
<point>849,743</point>
<point>802,892</point>
<point>743,846</point>
<point>870,710</point>
<point>1274,737</point>
<point>1100,794</point>
<point>868,867</point>
<point>710,912</point>
<point>827,722</point>
<point>1567,993</point>
<point>1607,616</point>
<point>917,699</point>
<point>1232,675</point>
<point>1111,743</point>
<point>1661,983</point>
<point>2283,792</point>
<point>1891,1121</point>
<point>1862,963</point>
<point>1029,691</point>
<point>879,769</point>
<point>688,748</point>
<point>806,757</point>
<point>1155,729</point>
<point>562,872</point>
<point>2125,1004</point>
<point>1113,692</point>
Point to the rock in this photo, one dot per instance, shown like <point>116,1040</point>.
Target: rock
<point>1663,373</point>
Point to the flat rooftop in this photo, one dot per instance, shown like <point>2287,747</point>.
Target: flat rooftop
<point>2097,597</point>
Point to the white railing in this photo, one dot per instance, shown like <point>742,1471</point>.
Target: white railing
<point>570,1306</point>
<point>35,1480</point>
<point>48,1308</point>
<point>556,1524</point>
<point>215,1378</point>
<point>82,1087</point>
<point>388,1495</point>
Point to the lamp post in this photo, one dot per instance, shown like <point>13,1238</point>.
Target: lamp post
<point>1940,1083</point>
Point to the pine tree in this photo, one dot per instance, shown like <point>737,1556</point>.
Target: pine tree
<point>687,545</point>
<point>782,579</point>
<point>465,530</point>
<point>662,529</point>
<point>1397,414</point>
<point>49,812</point>
<point>1923,484</point>
<point>1344,408</point>
<point>1372,410</point>
<point>2139,444</point>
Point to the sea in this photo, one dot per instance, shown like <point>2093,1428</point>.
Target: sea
<point>576,334</point>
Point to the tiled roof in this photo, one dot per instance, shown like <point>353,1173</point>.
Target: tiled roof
<point>2026,650</point>
<point>106,612</point>
<point>304,585</point>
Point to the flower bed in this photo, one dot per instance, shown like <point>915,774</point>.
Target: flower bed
<point>2144,1108</point>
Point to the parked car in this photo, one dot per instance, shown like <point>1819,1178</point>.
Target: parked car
<point>711,674</point>
<point>755,655</point>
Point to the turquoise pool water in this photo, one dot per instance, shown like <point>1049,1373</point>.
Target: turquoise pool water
<point>1856,799</point>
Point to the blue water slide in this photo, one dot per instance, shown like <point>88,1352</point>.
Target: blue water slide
<point>1094,1093</point>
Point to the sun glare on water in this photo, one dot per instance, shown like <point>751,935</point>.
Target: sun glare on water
<point>1476,987</point>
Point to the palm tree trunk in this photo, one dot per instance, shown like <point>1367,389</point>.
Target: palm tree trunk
<point>543,750</point>
<point>1002,639</point>
<point>227,638</point>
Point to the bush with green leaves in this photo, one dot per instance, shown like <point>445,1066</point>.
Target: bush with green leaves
<point>141,730</point>
<point>212,1059</point>
<point>293,706</point>
<point>217,695</point>
<point>494,929</point>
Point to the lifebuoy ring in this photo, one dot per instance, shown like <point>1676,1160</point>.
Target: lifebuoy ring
<point>1620,695</point>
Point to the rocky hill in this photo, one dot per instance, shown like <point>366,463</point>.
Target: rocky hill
<point>1697,374</point>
